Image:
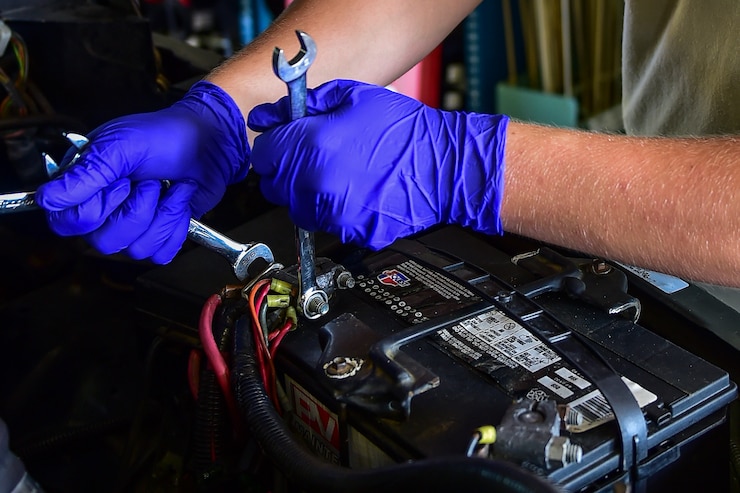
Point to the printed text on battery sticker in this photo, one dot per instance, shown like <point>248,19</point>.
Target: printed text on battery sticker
<point>497,335</point>
<point>444,286</point>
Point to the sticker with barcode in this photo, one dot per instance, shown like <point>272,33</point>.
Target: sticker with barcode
<point>594,409</point>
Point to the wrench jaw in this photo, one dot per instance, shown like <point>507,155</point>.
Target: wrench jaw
<point>78,141</point>
<point>315,301</point>
<point>253,252</point>
<point>52,168</point>
<point>288,71</point>
<point>26,201</point>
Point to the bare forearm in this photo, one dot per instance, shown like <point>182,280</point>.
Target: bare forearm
<point>672,205</point>
<point>367,41</point>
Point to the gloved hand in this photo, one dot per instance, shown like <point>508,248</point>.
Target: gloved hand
<point>370,165</point>
<point>114,194</point>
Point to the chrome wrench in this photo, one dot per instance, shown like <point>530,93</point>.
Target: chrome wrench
<point>26,201</point>
<point>313,301</point>
<point>239,255</point>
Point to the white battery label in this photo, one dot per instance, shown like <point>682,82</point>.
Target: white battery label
<point>500,337</point>
<point>555,387</point>
<point>573,378</point>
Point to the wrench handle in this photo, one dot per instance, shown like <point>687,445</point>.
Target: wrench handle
<point>306,259</point>
<point>297,95</point>
<point>239,255</point>
<point>18,202</point>
<point>213,240</point>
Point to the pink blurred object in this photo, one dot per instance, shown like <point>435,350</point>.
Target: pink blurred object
<point>424,79</point>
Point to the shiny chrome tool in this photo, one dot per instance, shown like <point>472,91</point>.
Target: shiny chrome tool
<point>17,202</point>
<point>26,201</point>
<point>313,301</point>
<point>240,255</point>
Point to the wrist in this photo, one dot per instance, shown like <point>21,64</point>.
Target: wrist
<point>217,109</point>
<point>478,186</point>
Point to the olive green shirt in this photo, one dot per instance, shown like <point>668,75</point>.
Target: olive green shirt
<point>681,67</point>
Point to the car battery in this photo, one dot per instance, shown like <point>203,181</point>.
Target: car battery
<point>448,333</point>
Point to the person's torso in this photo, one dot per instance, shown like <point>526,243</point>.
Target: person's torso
<point>681,67</point>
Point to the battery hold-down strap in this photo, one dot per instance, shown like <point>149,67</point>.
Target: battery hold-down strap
<point>569,276</point>
<point>626,410</point>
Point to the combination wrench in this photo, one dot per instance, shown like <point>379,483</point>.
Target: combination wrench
<point>26,201</point>
<point>240,255</point>
<point>313,301</point>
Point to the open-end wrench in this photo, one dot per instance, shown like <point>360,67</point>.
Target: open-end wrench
<point>26,201</point>
<point>18,202</point>
<point>239,255</point>
<point>313,301</point>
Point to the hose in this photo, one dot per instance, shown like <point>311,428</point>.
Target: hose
<point>210,430</point>
<point>735,459</point>
<point>311,474</point>
<point>212,435</point>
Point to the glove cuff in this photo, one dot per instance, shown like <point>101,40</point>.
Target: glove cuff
<point>229,125</point>
<point>479,191</point>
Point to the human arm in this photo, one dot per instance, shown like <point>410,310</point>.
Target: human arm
<point>371,166</point>
<point>114,194</point>
<point>667,204</point>
<point>374,42</point>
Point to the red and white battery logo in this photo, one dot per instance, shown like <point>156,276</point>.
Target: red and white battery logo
<point>394,277</point>
<point>318,425</point>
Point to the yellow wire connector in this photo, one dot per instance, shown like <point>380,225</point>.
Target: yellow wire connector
<point>280,287</point>
<point>278,300</point>
<point>291,314</point>
<point>487,434</point>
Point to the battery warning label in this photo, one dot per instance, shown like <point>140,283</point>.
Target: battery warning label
<point>494,337</point>
<point>415,293</point>
<point>526,366</point>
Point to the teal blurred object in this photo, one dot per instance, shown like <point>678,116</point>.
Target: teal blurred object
<point>484,54</point>
<point>535,106</point>
<point>255,17</point>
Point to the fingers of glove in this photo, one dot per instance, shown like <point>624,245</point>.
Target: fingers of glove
<point>173,242</point>
<point>323,99</point>
<point>265,116</point>
<point>326,212</point>
<point>76,185</point>
<point>129,221</point>
<point>90,214</point>
<point>169,226</point>
<point>206,197</point>
<point>113,150</point>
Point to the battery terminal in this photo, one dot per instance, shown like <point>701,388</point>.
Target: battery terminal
<point>342,367</point>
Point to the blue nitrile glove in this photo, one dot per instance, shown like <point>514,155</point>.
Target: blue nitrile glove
<point>114,194</point>
<point>370,165</point>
